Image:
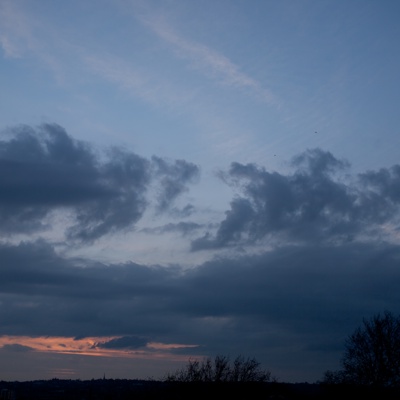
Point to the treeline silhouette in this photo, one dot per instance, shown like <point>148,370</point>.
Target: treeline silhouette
<point>221,369</point>
<point>120,389</point>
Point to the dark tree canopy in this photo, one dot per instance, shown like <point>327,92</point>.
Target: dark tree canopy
<point>372,354</point>
<point>220,369</point>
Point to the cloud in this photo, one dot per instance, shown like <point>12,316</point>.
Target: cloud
<point>184,228</point>
<point>13,29</point>
<point>183,212</point>
<point>230,229</point>
<point>124,342</point>
<point>173,179</point>
<point>302,300</point>
<point>59,296</point>
<point>315,203</point>
<point>45,294</point>
<point>139,82</point>
<point>296,299</point>
<point>206,59</point>
<point>384,183</point>
<point>44,170</point>
<point>16,348</point>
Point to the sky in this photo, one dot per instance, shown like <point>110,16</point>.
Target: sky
<point>185,179</point>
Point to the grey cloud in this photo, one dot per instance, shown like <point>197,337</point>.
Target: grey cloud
<point>314,203</point>
<point>184,228</point>
<point>124,342</point>
<point>300,287</point>
<point>16,348</point>
<point>231,229</point>
<point>318,162</point>
<point>303,282</point>
<point>49,293</point>
<point>294,299</point>
<point>43,170</point>
<point>184,212</point>
<point>35,268</point>
<point>174,178</point>
<point>294,302</point>
<point>385,182</point>
<point>126,177</point>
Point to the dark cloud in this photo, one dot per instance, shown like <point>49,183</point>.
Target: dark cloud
<point>291,306</point>
<point>314,203</point>
<point>384,183</point>
<point>302,300</point>
<point>43,170</point>
<point>75,297</point>
<point>124,342</point>
<point>231,229</point>
<point>16,348</point>
<point>174,178</point>
<point>126,178</point>
<point>317,162</point>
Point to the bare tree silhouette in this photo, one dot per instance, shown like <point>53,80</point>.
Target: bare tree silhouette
<point>372,354</point>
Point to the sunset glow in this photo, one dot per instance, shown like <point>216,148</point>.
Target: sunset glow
<point>89,346</point>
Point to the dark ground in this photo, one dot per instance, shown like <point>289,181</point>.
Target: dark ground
<point>120,389</point>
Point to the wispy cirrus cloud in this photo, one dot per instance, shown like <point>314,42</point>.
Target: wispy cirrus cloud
<point>205,59</point>
<point>131,67</point>
<point>15,31</point>
<point>25,33</point>
<point>132,79</point>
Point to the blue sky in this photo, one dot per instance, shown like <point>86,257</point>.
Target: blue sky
<point>225,172</point>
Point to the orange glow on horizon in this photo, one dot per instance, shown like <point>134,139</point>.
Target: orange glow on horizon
<point>90,346</point>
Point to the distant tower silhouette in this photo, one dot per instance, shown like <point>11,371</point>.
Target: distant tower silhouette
<point>104,376</point>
